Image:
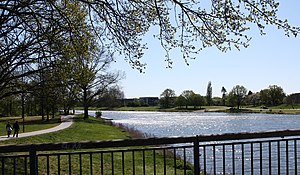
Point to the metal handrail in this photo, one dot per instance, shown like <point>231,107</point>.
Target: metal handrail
<point>146,141</point>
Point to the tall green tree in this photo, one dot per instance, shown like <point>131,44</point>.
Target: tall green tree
<point>237,95</point>
<point>209,94</point>
<point>167,98</point>
<point>273,95</point>
<point>112,97</point>
<point>224,91</point>
<point>180,101</point>
<point>28,27</point>
<point>31,30</point>
<point>198,100</point>
<point>188,95</point>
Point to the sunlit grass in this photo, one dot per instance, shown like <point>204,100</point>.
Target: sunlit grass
<point>31,123</point>
<point>94,129</point>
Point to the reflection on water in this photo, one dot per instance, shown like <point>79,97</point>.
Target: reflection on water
<point>196,123</point>
<point>163,124</point>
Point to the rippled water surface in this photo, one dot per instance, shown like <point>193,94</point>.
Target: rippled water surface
<point>196,123</point>
<point>163,124</point>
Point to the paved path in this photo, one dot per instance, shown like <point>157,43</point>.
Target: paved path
<point>66,122</point>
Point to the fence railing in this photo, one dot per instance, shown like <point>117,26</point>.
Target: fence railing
<point>274,152</point>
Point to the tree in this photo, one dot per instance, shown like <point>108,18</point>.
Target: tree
<point>111,97</point>
<point>28,27</point>
<point>293,99</point>
<point>198,100</point>
<point>237,95</point>
<point>253,98</point>
<point>273,95</point>
<point>277,94</point>
<point>223,90</point>
<point>167,98</point>
<point>188,95</point>
<point>36,31</point>
<point>93,78</point>
<point>180,101</point>
<point>209,94</point>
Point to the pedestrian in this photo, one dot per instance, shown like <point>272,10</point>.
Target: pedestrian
<point>16,128</point>
<point>8,129</point>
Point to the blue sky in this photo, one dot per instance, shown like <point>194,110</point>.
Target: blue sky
<point>272,59</point>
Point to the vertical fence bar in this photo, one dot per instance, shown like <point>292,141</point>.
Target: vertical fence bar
<point>91,163</point>
<point>165,163</point>
<point>123,163</point>
<point>184,161</point>
<point>270,158</point>
<point>196,156</point>
<point>204,159</point>
<point>3,166</point>
<point>251,153</point>
<point>214,159</point>
<point>174,156</point>
<point>70,163</point>
<point>80,164</point>
<point>58,164</point>
<point>233,159</point>
<point>154,162</point>
<point>260,158</point>
<point>295,155</point>
<point>243,159</point>
<point>287,156</point>
<point>278,156</point>
<point>48,164</point>
<point>112,163</point>
<point>101,164</point>
<point>133,164</point>
<point>224,159</point>
<point>33,163</point>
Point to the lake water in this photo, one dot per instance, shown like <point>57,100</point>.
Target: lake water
<point>197,123</point>
<point>162,124</point>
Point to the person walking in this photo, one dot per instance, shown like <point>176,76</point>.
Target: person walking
<point>8,129</point>
<point>16,128</point>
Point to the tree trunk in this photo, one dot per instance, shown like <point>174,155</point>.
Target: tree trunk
<point>85,104</point>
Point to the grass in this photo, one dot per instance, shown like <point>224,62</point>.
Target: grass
<point>81,130</point>
<point>31,123</point>
<point>95,129</point>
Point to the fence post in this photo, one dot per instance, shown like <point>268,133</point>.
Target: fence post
<point>196,157</point>
<point>33,162</point>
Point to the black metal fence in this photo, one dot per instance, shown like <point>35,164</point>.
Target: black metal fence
<point>274,152</point>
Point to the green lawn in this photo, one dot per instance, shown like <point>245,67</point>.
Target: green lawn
<point>81,130</point>
<point>31,123</point>
<point>95,129</point>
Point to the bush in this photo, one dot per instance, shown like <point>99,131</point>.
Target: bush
<point>98,114</point>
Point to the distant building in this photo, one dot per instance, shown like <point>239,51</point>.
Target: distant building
<point>150,101</point>
<point>142,101</point>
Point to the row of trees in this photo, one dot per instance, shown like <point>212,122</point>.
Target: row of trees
<point>51,58</point>
<point>239,95</point>
<point>56,53</point>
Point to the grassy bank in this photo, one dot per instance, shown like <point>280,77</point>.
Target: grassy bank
<point>282,109</point>
<point>95,129</point>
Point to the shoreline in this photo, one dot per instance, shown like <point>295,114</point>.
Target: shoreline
<point>228,110</point>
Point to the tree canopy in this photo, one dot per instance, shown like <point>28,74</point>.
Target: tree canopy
<point>29,27</point>
<point>33,33</point>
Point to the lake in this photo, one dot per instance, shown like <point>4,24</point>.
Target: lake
<point>163,124</point>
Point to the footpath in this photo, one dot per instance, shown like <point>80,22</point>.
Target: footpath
<point>66,121</point>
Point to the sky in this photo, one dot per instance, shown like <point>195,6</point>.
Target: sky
<point>272,59</point>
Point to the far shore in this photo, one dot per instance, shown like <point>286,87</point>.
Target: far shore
<point>265,110</point>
